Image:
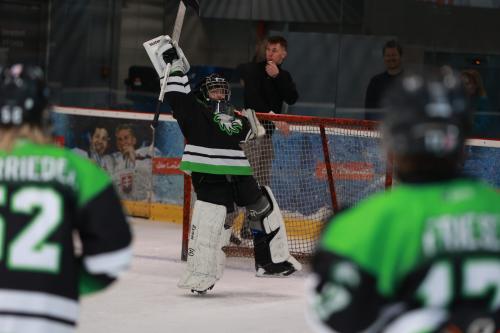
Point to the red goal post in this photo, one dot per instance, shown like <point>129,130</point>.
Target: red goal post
<point>315,168</point>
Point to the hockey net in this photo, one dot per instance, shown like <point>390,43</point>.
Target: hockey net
<point>315,168</point>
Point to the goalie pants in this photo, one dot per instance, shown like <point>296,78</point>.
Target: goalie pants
<point>226,190</point>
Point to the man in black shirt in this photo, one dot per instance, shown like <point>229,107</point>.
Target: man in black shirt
<point>379,84</point>
<point>267,85</point>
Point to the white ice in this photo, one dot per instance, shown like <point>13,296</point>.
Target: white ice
<point>147,300</point>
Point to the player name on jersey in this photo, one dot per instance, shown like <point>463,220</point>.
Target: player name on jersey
<point>461,233</point>
<point>36,169</point>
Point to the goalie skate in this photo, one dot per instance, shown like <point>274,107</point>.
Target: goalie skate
<point>283,269</point>
<point>201,292</point>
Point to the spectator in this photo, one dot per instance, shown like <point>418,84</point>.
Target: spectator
<point>98,146</point>
<point>132,167</point>
<point>50,197</point>
<point>266,86</point>
<point>474,89</point>
<point>260,50</point>
<point>392,53</point>
<point>484,123</point>
<point>424,257</point>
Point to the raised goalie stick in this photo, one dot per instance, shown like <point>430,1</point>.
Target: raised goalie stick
<point>155,49</point>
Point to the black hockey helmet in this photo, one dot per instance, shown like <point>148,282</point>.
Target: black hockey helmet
<point>23,95</point>
<point>215,83</point>
<point>427,115</point>
<point>216,93</point>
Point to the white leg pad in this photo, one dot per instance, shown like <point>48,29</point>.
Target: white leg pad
<point>278,246</point>
<point>205,240</point>
<point>221,255</point>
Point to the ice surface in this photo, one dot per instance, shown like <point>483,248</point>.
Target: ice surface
<point>147,300</point>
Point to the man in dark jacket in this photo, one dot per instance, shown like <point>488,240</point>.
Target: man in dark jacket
<point>380,83</point>
<point>267,85</point>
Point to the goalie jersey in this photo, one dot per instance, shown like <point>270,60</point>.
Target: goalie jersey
<point>418,258</point>
<point>48,196</point>
<point>213,139</point>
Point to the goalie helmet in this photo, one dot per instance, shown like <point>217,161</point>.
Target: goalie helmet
<point>23,96</point>
<point>427,116</point>
<point>216,93</point>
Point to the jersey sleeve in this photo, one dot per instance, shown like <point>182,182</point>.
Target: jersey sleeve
<point>338,293</point>
<point>345,290</point>
<point>179,96</point>
<point>101,224</point>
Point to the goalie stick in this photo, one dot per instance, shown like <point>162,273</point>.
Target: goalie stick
<point>176,34</point>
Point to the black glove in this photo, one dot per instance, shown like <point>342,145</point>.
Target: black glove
<point>170,55</point>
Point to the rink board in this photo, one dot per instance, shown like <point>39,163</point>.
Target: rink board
<point>73,127</point>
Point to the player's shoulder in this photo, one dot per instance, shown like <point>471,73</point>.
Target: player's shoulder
<point>475,191</point>
<point>372,215</point>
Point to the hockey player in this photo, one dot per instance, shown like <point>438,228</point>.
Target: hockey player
<point>48,195</point>
<point>222,177</point>
<point>425,256</point>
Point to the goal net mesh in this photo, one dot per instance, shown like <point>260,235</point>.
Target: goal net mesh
<point>315,167</point>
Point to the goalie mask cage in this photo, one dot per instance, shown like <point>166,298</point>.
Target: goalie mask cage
<point>315,167</point>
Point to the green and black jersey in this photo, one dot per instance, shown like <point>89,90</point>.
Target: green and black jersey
<point>412,259</point>
<point>48,195</point>
<point>213,139</point>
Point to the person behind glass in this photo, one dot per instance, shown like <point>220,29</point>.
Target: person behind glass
<point>392,53</point>
<point>98,146</point>
<point>222,178</point>
<point>425,256</point>
<point>131,166</point>
<point>260,50</point>
<point>63,233</point>
<point>474,88</point>
<point>266,87</point>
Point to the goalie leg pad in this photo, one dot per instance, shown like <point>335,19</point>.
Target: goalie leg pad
<point>272,256</point>
<point>221,255</point>
<point>205,241</point>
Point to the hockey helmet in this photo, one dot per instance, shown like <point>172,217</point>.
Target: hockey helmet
<point>23,95</point>
<point>216,92</point>
<point>427,115</point>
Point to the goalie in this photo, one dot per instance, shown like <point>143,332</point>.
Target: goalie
<point>221,175</point>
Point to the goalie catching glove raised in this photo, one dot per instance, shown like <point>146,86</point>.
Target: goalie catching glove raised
<point>162,51</point>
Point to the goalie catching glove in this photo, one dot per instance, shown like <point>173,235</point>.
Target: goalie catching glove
<point>162,50</point>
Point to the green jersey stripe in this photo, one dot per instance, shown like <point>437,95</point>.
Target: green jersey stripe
<point>216,169</point>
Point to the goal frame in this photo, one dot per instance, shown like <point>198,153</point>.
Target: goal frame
<point>322,123</point>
